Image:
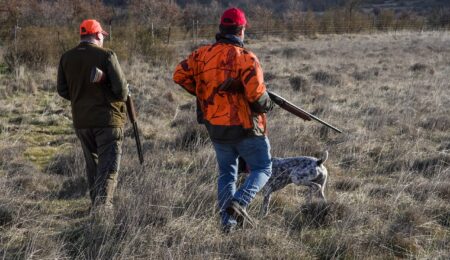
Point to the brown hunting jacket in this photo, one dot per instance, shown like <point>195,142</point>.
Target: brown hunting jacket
<point>93,104</point>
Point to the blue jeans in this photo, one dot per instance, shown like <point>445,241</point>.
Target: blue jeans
<point>256,153</point>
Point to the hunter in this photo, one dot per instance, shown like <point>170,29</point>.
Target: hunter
<point>98,108</point>
<point>232,100</point>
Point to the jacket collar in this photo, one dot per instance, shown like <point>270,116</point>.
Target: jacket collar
<point>229,39</point>
<point>86,43</point>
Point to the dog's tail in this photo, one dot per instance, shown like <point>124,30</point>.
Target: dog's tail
<point>323,159</point>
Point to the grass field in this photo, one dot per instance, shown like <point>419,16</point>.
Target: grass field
<point>388,191</point>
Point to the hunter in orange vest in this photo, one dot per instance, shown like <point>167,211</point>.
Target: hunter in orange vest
<point>232,100</point>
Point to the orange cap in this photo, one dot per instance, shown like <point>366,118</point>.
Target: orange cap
<point>91,26</point>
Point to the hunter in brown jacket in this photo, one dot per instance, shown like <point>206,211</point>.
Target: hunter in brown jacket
<point>98,108</point>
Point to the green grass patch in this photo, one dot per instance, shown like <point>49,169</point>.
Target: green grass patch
<point>45,121</point>
<point>48,136</point>
<point>64,129</point>
<point>70,207</point>
<point>38,139</point>
<point>15,240</point>
<point>3,68</point>
<point>40,156</point>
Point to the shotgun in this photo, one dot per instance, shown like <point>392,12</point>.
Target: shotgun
<point>293,109</point>
<point>132,115</point>
<point>232,85</point>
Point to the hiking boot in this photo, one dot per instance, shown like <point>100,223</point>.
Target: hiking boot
<point>235,209</point>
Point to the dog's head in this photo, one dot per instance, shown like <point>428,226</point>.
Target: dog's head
<point>322,172</point>
<point>312,169</point>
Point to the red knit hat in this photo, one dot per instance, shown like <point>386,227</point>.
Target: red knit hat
<point>91,26</point>
<point>233,17</point>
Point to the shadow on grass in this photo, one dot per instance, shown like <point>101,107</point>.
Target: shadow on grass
<point>317,215</point>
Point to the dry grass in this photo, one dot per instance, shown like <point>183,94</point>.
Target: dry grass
<point>389,171</point>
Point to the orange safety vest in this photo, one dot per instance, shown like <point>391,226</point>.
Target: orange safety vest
<point>202,73</point>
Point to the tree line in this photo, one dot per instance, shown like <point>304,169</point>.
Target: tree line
<point>36,32</point>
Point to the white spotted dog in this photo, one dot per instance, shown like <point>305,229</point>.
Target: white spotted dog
<point>308,171</point>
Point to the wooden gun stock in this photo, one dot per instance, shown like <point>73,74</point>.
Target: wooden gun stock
<point>130,109</point>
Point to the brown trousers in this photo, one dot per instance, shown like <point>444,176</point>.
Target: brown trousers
<point>102,148</point>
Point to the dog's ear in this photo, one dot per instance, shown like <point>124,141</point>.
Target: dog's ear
<point>323,159</point>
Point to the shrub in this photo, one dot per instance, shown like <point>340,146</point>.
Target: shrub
<point>32,49</point>
<point>290,53</point>
<point>73,188</point>
<point>326,78</point>
<point>335,247</point>
<point>319,214</point>
<point>431,165</point>
<point>366,75</point>
<point>418,67</point>
<point>159,105</point>
<point>6,215</point>
<point>400,235</point>
<point>299,83</point>
<point>192,137</point>
<point>381,192</point>
<point>190,134</point>
<point>156,53</point>
<point>10,154</point>
<point>268,76</point>
<point>432,122</point>
<point>21,168</point>
<point>445,146</point>
<point>423,191</point>
<point>408,221</point>
<point>347,184</point>
<point>442,216</point>
<point>67,164</point>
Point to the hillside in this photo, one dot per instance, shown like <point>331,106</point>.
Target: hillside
<point>389,189</point>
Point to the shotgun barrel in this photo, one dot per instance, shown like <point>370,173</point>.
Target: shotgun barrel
<point>291,108</point>
<point>132,115</point>
<point>232,85</point>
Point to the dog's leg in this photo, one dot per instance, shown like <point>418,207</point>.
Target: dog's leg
<point>321,187</point>
<point>265,205</point>
<point>321,192</point>
<point>267,192</point>
<point>310,191</point>
<point>274,184</point>
<point>315,188</point>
